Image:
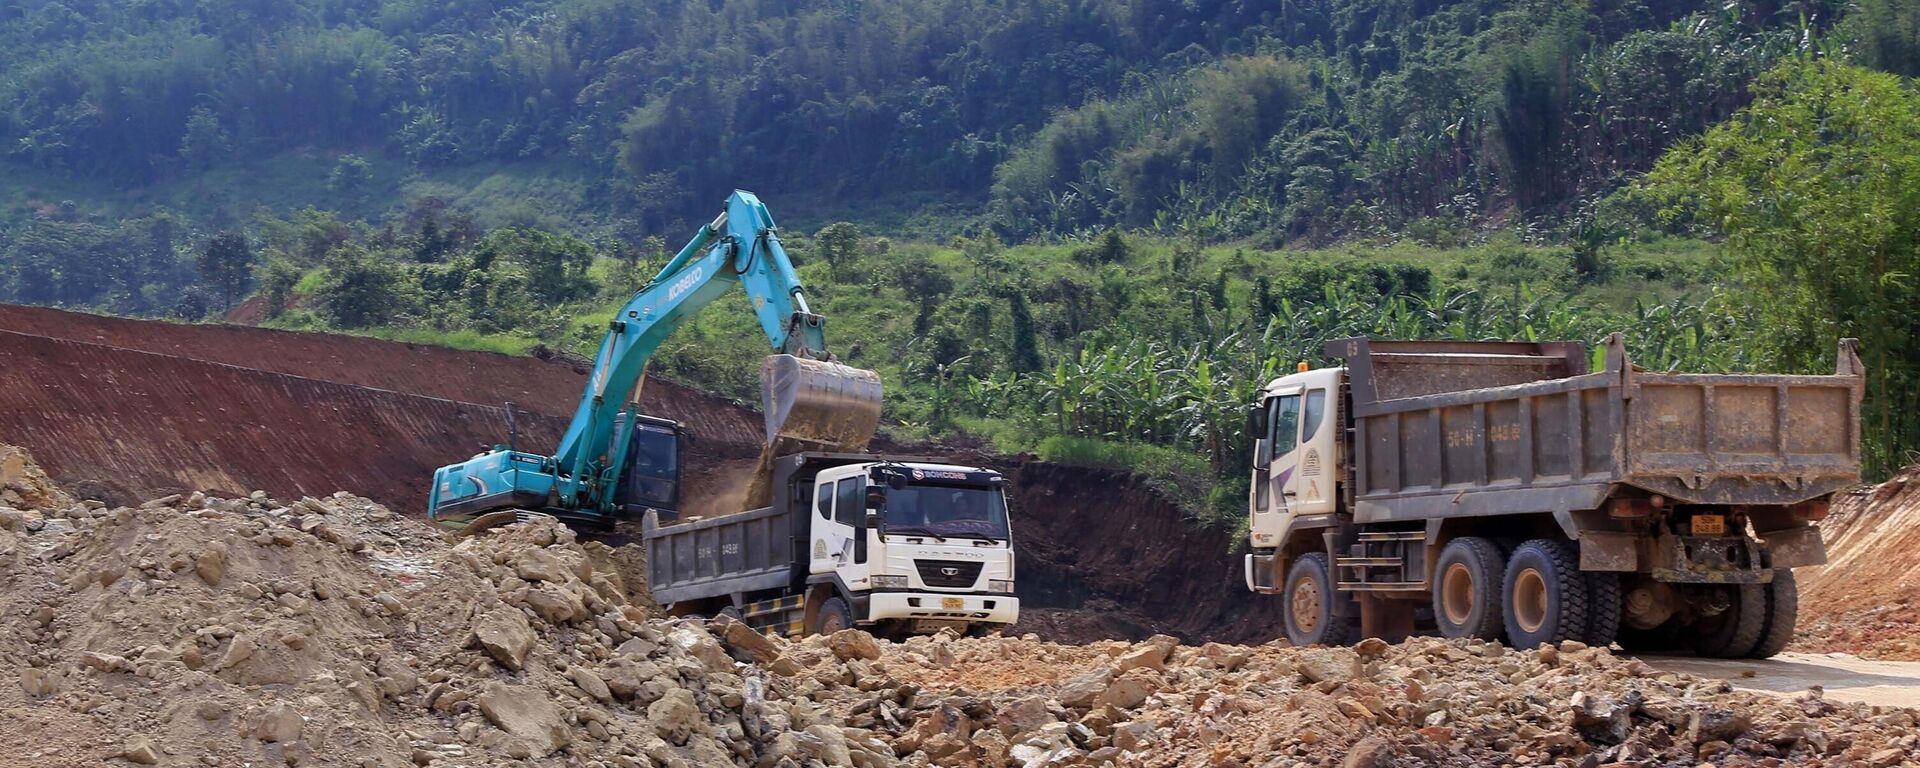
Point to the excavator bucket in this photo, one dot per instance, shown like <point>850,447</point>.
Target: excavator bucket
<point>813,405</point>
<point>818,405</point>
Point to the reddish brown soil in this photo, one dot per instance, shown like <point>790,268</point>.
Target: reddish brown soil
<point>552,388</point>
<point>142,424</point>
<point>129,408</point>
<point>1866,600</point>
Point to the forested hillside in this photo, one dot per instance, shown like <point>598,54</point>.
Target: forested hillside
<point>1268,119</point>
<point>1080,227</point>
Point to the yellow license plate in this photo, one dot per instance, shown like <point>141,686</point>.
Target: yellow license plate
<point>952,603</point>
<point>1709,525</point>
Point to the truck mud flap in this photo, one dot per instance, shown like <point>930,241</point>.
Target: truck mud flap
<point>1795,547</point>
<point>1609,551</point>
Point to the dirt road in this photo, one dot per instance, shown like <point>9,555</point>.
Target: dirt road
<point>1845,678</point>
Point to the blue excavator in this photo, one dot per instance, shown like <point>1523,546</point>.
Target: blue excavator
<point>616,464</point>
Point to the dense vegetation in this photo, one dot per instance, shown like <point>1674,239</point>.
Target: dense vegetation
<point>1084,228</point>
<point>1271,119</point>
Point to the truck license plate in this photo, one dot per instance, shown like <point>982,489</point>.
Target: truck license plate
<point>1709,525</point>
<point>952,603</point>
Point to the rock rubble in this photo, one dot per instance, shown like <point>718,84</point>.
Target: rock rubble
<point>201,631</point>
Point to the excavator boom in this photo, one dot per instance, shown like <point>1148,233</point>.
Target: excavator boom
<point>812,400</point>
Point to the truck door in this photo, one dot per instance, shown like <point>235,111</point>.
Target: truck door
<point>839,520</point>
<point>1282,444</point>
<point>1304,452</point>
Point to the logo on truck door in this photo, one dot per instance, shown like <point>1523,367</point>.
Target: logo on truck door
<point>819,549</point>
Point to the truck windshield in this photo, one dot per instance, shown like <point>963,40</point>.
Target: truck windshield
<point>946,511</point>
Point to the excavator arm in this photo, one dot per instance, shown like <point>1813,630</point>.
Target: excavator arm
<point>809,397</point>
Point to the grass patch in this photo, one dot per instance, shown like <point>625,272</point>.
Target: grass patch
<point>1178,476</point>
<point>472,341</point>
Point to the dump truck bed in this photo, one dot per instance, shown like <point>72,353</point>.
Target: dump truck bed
<point>1447,429</point>
<point>743,552</point>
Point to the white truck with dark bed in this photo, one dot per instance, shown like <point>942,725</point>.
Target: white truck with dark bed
<point>897,546</point>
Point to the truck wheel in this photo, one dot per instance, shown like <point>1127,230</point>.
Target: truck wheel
<point>1603,609</point>
<point>1466,589</point>
<point>834,616</point>
<point>1783,609</point>
<point>1316,613</point>
<point>1545,594</point>
<point>1734,632</point>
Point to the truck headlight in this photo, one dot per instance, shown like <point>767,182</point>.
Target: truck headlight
<point>888,582</point>
<point>998,585</point>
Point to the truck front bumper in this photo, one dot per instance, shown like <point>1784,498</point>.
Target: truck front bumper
<point>975,608</point>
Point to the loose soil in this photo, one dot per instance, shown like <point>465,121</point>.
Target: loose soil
<point>1866,600</point>
<point>203,631</point>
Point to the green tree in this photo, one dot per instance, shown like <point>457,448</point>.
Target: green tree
<point>1886,35</point>
<point>351,175</point>
<point>226,265</point>
<point>1816,186</point>
<point>205,143</point>
<point>839,244</point>
<point>277,277</point>
<point>1026,346</point>
<point>360,290</point>
<point>924,282</point>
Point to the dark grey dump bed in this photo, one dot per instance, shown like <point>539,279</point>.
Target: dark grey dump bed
<point>1486,428</point>
<point>744,552</point>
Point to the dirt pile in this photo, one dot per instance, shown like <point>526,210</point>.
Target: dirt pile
<point>24,485</point>
<point>1866,599</point>
<point>195,630</point>
<point>204,631</point>
<point>999,702</point>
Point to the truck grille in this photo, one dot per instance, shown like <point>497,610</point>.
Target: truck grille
<point>948,573</point>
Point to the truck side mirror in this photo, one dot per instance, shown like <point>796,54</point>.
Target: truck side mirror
<point>1260,461</point>
<point>1257,420</point>
<point>873,520</point>
<point>875,497</point>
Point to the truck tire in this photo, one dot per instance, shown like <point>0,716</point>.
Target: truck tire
<point>1603,609</point>
<point>835,615</point>
<point>1315,612</point>
<point>1467,583</point>
<point>1545,594</point>
<point>1783,610</point>
<point>1736,631</point>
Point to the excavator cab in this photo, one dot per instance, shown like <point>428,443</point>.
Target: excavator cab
<point>650,482</point>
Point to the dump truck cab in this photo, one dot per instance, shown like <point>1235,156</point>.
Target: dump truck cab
<point>929,545</point>
<point>1297,458</point>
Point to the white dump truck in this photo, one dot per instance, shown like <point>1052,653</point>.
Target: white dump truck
<point>891,545</point>
<point>1514,494</point>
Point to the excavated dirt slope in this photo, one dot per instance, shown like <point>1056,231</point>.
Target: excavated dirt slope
<point>202,631</point>
<point>123,410</point>
<point>1866,600</point>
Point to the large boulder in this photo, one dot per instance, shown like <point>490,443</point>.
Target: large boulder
<point>526,713</point>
